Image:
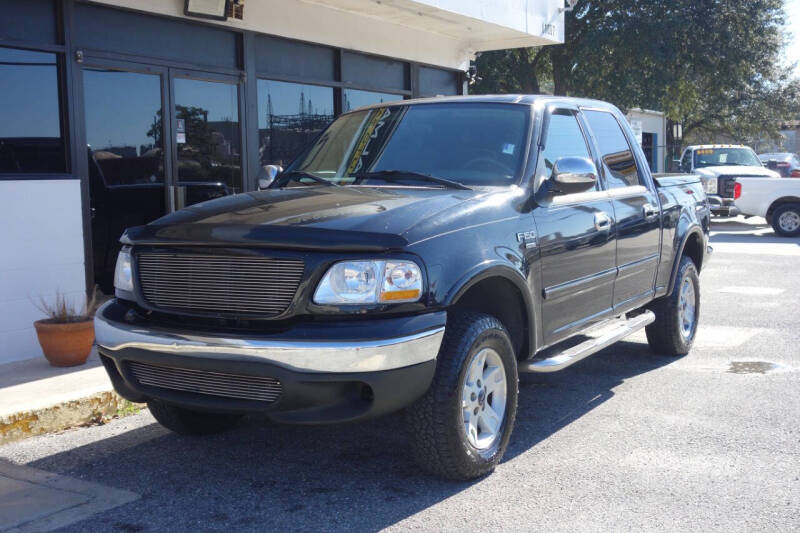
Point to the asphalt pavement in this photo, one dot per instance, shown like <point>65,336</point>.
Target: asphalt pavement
<point>624,440</point>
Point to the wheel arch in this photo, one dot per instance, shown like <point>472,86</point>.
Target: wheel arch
<point>782,200</point>
<point>489,290</point>
<point>693,246</point>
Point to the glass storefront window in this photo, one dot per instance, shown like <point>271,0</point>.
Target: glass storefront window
<point>354,98</point>
<point>30,127</point>
<point>290,116</point>
<point>207,134</point>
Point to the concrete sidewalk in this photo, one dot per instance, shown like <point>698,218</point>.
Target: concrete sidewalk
<point>35,500</point>
<point>37,398</point>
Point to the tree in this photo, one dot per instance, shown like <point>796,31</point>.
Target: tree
<point>712,65</point>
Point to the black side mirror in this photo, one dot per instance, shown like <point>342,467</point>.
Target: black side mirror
<point>267,175</point>
<point>573,175</point>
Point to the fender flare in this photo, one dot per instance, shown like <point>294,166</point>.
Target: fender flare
<point>693,229</point>
<point>497,269</point>
<point>773,203</point>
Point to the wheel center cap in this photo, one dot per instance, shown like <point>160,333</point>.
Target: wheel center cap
<point>482,397</point>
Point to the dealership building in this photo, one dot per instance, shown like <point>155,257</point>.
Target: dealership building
<point>113,113</point>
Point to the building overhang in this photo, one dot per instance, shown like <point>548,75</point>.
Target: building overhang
<point>439,32</point>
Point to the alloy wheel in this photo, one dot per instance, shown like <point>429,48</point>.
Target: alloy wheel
<point>483,398</point>
<point>687,304</point>
<point>789,221</point>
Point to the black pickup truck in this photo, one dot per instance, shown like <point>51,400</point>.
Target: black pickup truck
<point>415,256</point>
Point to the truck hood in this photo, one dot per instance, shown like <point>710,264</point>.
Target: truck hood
<point>735,170</point>
<point>329,218</point>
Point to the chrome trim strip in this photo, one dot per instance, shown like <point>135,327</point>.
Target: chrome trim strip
<point>624,192</point>
<point>616,193</point>
<point>302,356</point>
<point>636,265</point>
<point>574,286</point>
<point>579,198</point>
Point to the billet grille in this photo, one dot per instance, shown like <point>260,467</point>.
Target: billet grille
<point>225,284</point>
<point>259,388</point>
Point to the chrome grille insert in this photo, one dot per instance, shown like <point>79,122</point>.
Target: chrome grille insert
<point>225,284</point>
<point>263,389</point>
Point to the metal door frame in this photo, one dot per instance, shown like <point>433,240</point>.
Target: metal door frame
<point>137,68</point>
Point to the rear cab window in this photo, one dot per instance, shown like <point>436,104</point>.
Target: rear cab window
<point>619,163</point>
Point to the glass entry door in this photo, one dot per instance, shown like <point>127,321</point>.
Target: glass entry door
<point>208,140</point>
<point>125,149</point>
<point>142,166</point>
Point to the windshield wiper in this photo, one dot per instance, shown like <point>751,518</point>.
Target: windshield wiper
<point>300,174</point>
<point>396,175</point>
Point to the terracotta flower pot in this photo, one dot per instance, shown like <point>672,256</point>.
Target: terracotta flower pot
<point>65,344</point>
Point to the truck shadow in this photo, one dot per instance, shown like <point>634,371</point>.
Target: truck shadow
<point>269,476</point>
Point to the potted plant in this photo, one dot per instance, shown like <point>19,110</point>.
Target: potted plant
<point>67,334</point>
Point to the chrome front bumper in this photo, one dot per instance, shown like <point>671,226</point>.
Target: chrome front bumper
<point>297,355</point>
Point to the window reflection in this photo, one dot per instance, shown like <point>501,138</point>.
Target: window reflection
<point>290,116</point>
<point>354,98</point>
<point>472,143</point>
<point>126,159</point>
<point>207,136</point>
<point>30,127</point>
<point>564,139</point>
<point>125,141</point>
<point>617,155</point>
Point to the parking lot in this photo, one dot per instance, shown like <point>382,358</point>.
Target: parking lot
<point>621,441</point>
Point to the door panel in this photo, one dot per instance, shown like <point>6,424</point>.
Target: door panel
<point>578,267</point>
<point>638,236</point>
<point>576,239</point>
<point>207,139</point>
<point>125,138</point>
<point>636,209</point>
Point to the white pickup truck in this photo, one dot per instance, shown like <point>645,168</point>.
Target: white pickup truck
<point>776,199</point>
<point>720,166</point>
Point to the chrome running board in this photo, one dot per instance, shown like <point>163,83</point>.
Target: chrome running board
<point>606,333</point>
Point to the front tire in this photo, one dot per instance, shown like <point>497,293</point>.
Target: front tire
<point>785,220</point>
<point>461,427</point>
<point>188,422</point>
<point>677,314</point>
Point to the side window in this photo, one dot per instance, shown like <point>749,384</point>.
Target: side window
<point>618,160</point>
<point>686,161</point>
<point>564,139</point>
<point>30,128</point>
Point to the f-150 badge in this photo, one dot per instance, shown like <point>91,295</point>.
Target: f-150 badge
<point>528,238</point>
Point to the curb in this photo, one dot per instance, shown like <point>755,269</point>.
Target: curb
<point>97,408</point>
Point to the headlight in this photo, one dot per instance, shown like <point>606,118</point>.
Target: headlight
<point>365,282</point>
<point>123,273</point>
<point>710,185</point>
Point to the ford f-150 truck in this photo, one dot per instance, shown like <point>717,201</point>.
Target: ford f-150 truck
<point>418,255</point>
<point>719,165</point>
<point>776,199</point>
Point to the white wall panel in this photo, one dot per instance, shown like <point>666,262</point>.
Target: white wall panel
<point>439,32</point>
<point>41,253</point>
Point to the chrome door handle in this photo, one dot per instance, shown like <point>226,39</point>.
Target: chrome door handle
<point>602,222</point>
<point>650,211</point>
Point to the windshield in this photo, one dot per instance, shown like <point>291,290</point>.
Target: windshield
<point>712,157</point>
<point>469,143</point>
